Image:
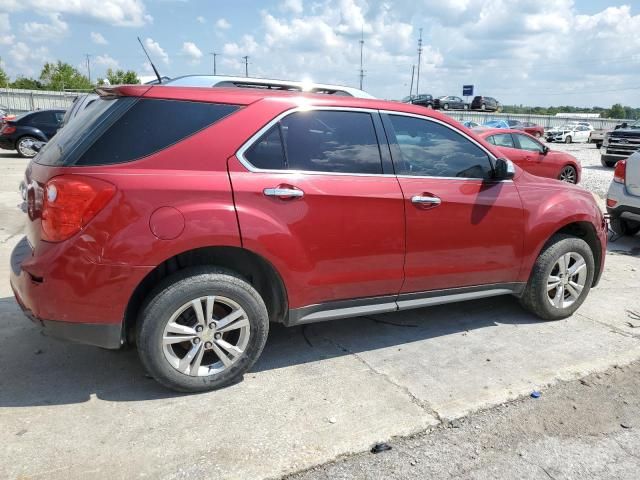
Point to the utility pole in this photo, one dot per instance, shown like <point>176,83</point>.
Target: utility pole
<point>361,57</point>
<point>246,65</point>
<point>413,70</point>
<point>214,55</point>
<point>88,66</point>
<point>419,58</point>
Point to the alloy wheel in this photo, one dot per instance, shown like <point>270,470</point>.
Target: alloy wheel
<point>205,336</point>
<point>568,174</point>
<point>24,147</point>
<point>567,280</point>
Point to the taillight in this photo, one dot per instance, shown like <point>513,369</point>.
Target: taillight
<point>8,129</point>
<point>620,172</point>
<point>69,204</point>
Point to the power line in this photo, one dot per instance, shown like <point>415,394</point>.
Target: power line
<point>246,65</point>
<point>214,55</point>
<point>419,58</point>
<point>88,66</point>
<point>361,57</point>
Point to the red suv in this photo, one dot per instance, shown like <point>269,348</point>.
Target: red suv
<point>186,219</point>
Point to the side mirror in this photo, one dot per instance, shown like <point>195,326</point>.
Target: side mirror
<point>504,169</point>
<point>545,149</point>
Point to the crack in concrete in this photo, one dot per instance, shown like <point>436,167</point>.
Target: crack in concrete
<point>415,400</point>
<point>612,328</point>
<point>624,449</point>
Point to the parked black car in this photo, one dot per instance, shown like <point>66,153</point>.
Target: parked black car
<point>424,100</point>
<point>450,103</point>
<point>485,103</point>
<point>22,132</point>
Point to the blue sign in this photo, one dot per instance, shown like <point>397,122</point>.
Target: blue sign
<point>467,90</point>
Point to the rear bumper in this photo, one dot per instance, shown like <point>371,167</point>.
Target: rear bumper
<point>72,298</point>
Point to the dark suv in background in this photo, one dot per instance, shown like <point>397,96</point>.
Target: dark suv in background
<point>22,132</point>
<point>424,100</point>
<point>485,103</point>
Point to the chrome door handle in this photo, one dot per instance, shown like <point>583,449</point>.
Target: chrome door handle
<point>420,200</point>
<point>283,192</point>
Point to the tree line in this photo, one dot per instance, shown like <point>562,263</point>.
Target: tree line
<point>616,111</point>
<point>61,76</point>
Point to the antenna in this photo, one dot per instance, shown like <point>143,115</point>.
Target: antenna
<point>361,52</point>
<point>214,55</point>
<point>246,65</point>
<point>419,57</point>
<point>155,70</point>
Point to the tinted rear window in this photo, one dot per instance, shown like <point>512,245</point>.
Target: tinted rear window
<point>127,128</point>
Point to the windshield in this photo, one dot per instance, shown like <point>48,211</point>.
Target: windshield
<point>635,124</point>
<point>497,124</point>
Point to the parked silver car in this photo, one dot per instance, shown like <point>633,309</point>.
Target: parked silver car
<point>623,198</point>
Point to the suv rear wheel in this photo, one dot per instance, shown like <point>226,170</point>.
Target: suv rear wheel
<point>202,329</point>
<point>624,227</point>
<point>561,278</point>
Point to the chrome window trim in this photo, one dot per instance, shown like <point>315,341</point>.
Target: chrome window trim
<point>240,153</point>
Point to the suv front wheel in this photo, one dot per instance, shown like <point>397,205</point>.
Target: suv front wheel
<point>561,278</point>
<point>202,329</point>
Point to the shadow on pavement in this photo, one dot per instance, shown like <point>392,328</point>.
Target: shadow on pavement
<point>37,370</point>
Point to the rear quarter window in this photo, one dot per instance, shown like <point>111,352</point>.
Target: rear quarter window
<point>125,129</point>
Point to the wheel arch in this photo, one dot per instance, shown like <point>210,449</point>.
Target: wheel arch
<point>259,272</point>
<point>587,232</point>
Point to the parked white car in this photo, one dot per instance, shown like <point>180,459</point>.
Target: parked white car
<point>570,133</point>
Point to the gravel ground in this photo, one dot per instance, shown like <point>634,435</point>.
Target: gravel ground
<point>587,428</point>
<point>595,177</point>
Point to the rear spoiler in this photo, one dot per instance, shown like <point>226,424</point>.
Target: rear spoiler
<point>122,91</point>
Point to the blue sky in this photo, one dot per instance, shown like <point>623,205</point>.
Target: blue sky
<point>583,52</point>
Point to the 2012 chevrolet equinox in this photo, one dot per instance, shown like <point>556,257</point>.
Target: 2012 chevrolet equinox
<point>187,219</point>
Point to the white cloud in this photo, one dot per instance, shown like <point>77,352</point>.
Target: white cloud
<point>46,32</point>
<point>122,13</point>
<point>294,6</point>
<point>192,52</point>
<point>201,19</point>
<point>156,51</point>
<point>106,61</point>
<point>223,24</point>
<point>6,38</point>
<point>26,60</point>
<point>98,38</point>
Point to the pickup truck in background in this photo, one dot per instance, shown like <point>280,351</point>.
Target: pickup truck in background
<point>620,143</point>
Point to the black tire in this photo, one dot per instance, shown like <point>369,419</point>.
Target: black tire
<point>535,297</point>
<point>568,139</point>
<point>606,163</point>
<point>568,174</point>
<point>598,145</point>
<point>623,227</point>
<point>445,106</point>
<point>466,107</point>
<point>175,291</point>
<point>483,106</point>
<point>21,151</point>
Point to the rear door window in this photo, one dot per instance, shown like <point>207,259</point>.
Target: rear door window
<point>503,140</point>
<point>127,128</point>
<point>319,141</point>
